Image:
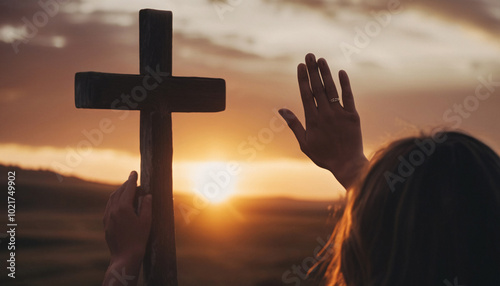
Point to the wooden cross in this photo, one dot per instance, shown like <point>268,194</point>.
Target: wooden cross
<point>156,93</point>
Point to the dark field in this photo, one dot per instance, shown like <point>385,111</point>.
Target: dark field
<point>60,238</point>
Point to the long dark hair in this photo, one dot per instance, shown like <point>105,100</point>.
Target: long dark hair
<point>426,211</point>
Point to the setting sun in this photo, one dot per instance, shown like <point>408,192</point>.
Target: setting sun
<point>215,181</point>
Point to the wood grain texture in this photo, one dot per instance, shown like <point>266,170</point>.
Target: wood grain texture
<point>123,91</point>
<point>160,266</point>
<point>160,260</point>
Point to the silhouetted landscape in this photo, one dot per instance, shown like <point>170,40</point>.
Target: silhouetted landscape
<point>248,241</point>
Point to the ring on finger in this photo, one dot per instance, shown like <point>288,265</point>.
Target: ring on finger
<point>335,99</point>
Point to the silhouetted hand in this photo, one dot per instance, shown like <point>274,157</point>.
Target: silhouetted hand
<point>332,137</point>
<point>127,233</point>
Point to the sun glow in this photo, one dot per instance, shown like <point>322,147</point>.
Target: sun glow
<point>215,181</point>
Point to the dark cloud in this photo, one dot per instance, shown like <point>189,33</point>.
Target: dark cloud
<point>473,13</point>
<point>14,11</point>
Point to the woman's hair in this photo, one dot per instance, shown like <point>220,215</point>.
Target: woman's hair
<point>426,211</point>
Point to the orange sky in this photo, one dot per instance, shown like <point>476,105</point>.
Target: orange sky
<point>412,63</point>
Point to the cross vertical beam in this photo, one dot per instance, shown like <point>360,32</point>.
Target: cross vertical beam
<point>165,94</point>
<point>160,265</point>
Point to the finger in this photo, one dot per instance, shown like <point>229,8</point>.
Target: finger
<point>330,88</point>
<point>347,97</point>
<point>115,196</point>
<point>145,214</point>
<point>310,109</point>
<point>316,83</point>
<point>114,199</point>
<point>127,198</point>
<point>295,125</point>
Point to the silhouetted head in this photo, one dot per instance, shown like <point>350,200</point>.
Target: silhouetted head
<point>425,212</point>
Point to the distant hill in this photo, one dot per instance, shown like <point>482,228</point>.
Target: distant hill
<point>44,177</point>
<point>42,189</point>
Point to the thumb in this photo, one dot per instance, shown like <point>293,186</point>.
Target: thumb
<point>145,214</point>
<point>295,125</point>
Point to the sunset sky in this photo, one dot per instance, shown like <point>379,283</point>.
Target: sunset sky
<point>413,65</point>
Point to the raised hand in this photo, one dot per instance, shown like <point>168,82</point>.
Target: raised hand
<point>332,136</point>
<point>127,233</point>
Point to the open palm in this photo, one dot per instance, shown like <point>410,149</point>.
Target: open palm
<point>332,134</point>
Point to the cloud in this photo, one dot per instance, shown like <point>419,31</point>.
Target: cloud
<point>483,15</point>
<point>475,14</point>
<point>9,34</point>
<point>203,46</point>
